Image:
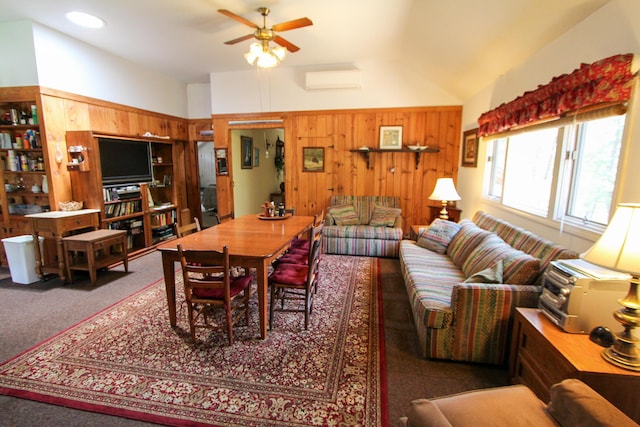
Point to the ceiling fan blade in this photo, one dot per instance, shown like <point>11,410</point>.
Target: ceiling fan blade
<point>238,18</point>
<point>286,44</point>
<point>239,39</point>
<point>292,25</point>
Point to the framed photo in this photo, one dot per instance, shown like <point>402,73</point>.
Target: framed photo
<point>246,145</point>
<point>312,159</point>
<point>256,157</point>
<point>470,148</point>
<point>390,137</point>
<point>221,161</point>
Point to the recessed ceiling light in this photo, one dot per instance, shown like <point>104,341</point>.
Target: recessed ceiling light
<point>85,20</point>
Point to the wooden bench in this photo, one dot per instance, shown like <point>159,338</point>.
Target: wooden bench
<point>94,250</point>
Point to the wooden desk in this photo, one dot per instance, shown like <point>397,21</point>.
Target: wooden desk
<point>95,249</point>
<point>252,242</point>
<point>55,225</point>
<point>542,354</point>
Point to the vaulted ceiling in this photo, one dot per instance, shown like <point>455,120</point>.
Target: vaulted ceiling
<point>460,45</point>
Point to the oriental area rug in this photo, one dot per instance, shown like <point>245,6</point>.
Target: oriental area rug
<point>127,361</point>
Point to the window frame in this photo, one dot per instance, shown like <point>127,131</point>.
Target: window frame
<point>568,130</point>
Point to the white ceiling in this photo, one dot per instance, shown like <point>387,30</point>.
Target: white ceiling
<point>461,45</point>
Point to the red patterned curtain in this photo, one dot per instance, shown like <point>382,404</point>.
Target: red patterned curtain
<point>606,81</point>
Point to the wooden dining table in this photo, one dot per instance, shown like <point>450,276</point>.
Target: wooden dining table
<point>253,242</point>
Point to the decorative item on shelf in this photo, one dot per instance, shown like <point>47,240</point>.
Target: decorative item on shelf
<point>417,147</point>
<point>444,191</point>
<point>70,206</point>
<point>619,249</point>
<point>45,184</point>
<point>390,137</point>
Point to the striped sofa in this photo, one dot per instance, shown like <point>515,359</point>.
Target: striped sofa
<point>362,239</point>
<point>472,322</point>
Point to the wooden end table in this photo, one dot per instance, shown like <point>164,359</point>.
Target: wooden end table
<point>94,250</point>
<point>542,354</point>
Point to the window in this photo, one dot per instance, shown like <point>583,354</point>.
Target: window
<point>593,164</point>
<point>565,172</point>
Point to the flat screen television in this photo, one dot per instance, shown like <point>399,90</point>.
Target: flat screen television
<point>125,161</point>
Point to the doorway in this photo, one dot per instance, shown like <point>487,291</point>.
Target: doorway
<point>258,168</point>
<point>207,179</point>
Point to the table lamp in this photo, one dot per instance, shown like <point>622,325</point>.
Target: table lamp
<point>619,249</point>
<point>446,192</point>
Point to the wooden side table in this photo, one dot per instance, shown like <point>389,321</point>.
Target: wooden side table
<point>94,250</point>
<point>542,354</point>
<point>55,225</point>
<point>414,231</point>
<point>434,212</point>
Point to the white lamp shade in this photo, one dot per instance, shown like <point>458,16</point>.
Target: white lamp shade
<point>619,246</point>
<point>444,190</point>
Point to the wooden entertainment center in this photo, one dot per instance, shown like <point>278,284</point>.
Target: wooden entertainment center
<point>542,354</point>
<point>146,211</point>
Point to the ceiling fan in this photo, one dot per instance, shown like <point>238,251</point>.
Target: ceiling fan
<point>263,34</point>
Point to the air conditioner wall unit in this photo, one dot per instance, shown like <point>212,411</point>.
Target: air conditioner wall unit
<point>340,79</point>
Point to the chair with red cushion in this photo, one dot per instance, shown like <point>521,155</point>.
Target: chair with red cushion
<point>208,283</point>
<point>304,243</point>
<point>301,255</point>
<point>293,285</point>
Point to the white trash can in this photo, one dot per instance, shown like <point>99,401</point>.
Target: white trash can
<point>22,258</point>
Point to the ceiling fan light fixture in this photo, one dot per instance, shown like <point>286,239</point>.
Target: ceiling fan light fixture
<point>264,56</point>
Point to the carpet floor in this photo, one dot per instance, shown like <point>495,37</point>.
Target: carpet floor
<point>30,314</point>
<point>127,360</point>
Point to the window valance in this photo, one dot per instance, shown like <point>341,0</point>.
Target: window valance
<point>605,81</point>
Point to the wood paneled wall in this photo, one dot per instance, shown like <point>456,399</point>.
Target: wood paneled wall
<point>346,172</point>
<point>64,111</point>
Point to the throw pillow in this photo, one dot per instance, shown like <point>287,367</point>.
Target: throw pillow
<point>344,215</point>
<point>437,237</point>
<point>491,274</point>
<point>384,216</point>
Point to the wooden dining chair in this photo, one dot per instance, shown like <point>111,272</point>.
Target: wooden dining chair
<point>299,254</point>
<point>208,283</point>
<point>187,229</point>
<point>293,286</point>
<point>225,217</point>
<point>304,243</point>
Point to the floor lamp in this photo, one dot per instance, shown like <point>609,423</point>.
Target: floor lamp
<point>619,249</point>
<point>446,192</point>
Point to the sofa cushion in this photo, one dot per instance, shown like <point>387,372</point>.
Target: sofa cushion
<point>573,403</point>
<point>384,216</point>
<point>519,268</point>
<point>493,274</point>
<point>362,232</point>
<point>425,413</point>
<point>344,215</point>
<point>498,406</point>
<point>465,241</point>
<point>438,236</point>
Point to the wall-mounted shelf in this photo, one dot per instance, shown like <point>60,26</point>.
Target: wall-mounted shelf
<point>418,153</point>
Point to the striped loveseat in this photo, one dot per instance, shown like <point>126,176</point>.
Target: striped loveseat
<point>362,238</point>
<point>463,300</point>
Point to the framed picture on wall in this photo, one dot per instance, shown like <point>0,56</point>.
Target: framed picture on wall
<point>470,148</point>
<point>390,137</point>
<point>312,159</point>
<point>246,146</point>
<point>256,157</point>
<point>221,161</point>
